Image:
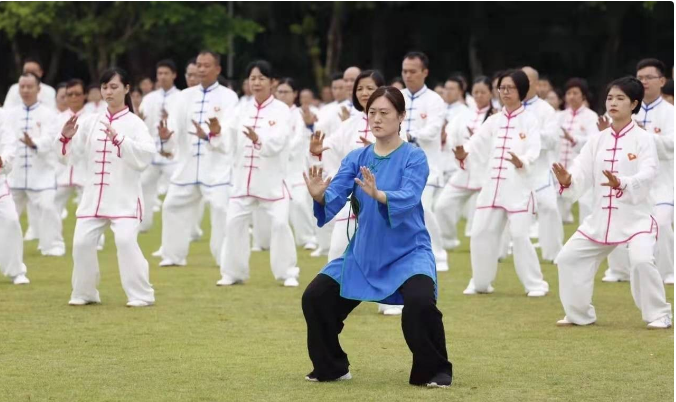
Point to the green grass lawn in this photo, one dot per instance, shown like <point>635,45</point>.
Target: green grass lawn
<point>247,343</point>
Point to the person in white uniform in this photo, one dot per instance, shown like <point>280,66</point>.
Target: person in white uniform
<point>116,148</point>
<point>619,166</point>
<point>505,150</point>
<point>33,177</point>
<point>154,109</point>
<point>11,247</point>
<point>47,94</point>
<point>425,113</point>
<point>203,164</point>
<point>259,140</point>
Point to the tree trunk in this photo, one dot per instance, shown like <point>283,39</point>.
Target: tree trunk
<point>334,42</point>
<point>54,64</point>
<point>475,67</point>
<point>17,56</point>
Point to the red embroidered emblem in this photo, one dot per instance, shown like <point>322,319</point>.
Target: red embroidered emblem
<point>631,157</point>
<point>423,115</point>
<point>272,123</point>
<point>658,130</point>
<point>522,136</point>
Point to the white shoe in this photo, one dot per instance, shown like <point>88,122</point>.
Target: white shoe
<point>392,310</point>
<point>472,291</point>
<point>256,249</point>
<point>55,252</point>
<point>156,208</point>
<point>669,280</point>
<point>662,323</point>
<point>452,244</point>
<point>319,252</point>
<point>102,242</point>
<point>564,323</point>
<point>196,234</point>
<point>64,214</point>
<point>21,280</point>
<point>169,263</point>
<point>310,245</point>
<point>442,267</point>
<point>139,303</point>
<point>537,293</point>
<point>80,302</point>
<point>291,283</point>
<point>536,245</point>
<point>227,281</point>
<point>610,278</point>
<point>158,253</point>
<point>30,234</point>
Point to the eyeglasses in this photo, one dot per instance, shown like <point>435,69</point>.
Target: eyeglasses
<point>647,77</point>
<point>74,94</point>
<point>506,89</point>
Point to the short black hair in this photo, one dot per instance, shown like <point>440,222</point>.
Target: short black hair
<point>458,80</point>
<point>290,82</point>
<point>213,54</point>
<point>377,78</point>
<point>668,88</point>
<point>76,82</point>
<point>37,79</point>
<point>631,87</point>
<point>336,77</point>
<point>263,66</point>
<point>482,79</point>
<point>143,78</point>
<point>397,80</point>
<point>419,55</point>
<point>61,85</point>
<point>659,66</point>
<point>32,60</point>
<point>462,78</point>
<point>520,80</point>
<point>579,83</point>
<point>191,61</point>
<point>93,86</point>
<point>392,94</point>
<point>168,63</point>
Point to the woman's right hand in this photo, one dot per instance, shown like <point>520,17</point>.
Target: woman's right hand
<point>460,153</point>
<point>562,174</point>
<point>317,143</point>
<point>316,185</point>
<point>70,128</point>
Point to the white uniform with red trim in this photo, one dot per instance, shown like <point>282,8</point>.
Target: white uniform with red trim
<point>259,173</point>
<point>581,124</point>
<point>33,177</point>
<point>202,171</point>
<point>453,112</point>
<point>71,176</point>
<point>425,114</point>
<point>550,224</point>
<point>506,196</point>
<point>619,216</point>
<point>464,183</point>
<point>112,196</point>
<point>11,246</point>
<point>153,107</point>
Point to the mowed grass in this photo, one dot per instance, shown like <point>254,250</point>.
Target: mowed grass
<point>247,343</point>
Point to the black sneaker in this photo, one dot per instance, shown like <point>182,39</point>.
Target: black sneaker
<point>312,378</point>
<point>441,380</point>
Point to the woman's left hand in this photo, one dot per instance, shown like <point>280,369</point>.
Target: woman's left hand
<point>368,185</point>
<point>515,160</point>
<point>110,131</point>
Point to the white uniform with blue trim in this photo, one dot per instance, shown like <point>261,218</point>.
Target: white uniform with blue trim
<point>425,116</point>
<point>33,177</point>
<point>202,170</point>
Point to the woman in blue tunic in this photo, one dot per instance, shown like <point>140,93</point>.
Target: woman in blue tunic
<point>400,270</point>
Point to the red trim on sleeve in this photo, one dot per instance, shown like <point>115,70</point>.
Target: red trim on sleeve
<point>64,140</point>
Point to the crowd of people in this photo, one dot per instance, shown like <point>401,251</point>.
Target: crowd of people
<point>280,169</point>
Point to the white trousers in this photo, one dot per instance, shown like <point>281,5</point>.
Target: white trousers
<point>11,241</point>
<point>261,230</point>
<point>339,237</point>
<point>550,225</point>
<point>448,208</point>
<point>180,213</point>
<point>578,262</point>
<point>428,197</point>
<point>48,222</point>
<point>487,230</point>
<point>62,196</point>
<point>237,250</point>
<point>618,260</point>
<point>301,216</point>
<point>134,272</point>
<point>150,179</point>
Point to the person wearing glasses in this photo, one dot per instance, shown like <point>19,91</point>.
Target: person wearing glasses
<point>509,142</point>
<point>656,116</point>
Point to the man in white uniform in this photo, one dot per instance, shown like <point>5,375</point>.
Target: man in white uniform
<point>47,94</point>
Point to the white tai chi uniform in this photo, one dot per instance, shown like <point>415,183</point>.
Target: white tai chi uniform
<point>550,224</point>
<point>11,246</point>
<point>259,172</point>
<point>581,124</point>
<point>112,197</point>
<point>425,113</point>
<point>202,172</point>
<point>658,119</point>
<point>464,184</point>
<point>33,177</point>
<point>69,177</point>
<point>619,216</point>
<point>46,96</point>
<point>153,106</point>
<point>506,196</point>
<point>453,112</point>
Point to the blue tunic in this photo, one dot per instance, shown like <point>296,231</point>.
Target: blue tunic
<point>391,243</point>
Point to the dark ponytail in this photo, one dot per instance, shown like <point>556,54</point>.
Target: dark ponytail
<point>109,74</point>
<point>487,82</point>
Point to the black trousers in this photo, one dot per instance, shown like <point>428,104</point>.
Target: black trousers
<point>325,310</point>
